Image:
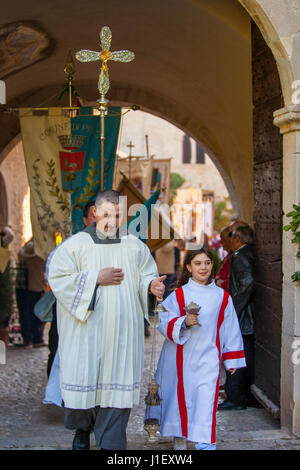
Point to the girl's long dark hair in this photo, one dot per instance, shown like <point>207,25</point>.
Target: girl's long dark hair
<point>190,255</point>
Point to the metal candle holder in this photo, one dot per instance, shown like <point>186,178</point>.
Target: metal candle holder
<point>153,399</point>
<point>194,309</point>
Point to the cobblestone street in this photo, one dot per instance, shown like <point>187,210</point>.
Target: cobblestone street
<point>28,424</point>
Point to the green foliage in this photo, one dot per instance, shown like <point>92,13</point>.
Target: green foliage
<point>176,180</point>
<point>294,226</point>
<point>6,293</point>
<point>54,190</point>
<point>222,215</point>
<point>296,276</point>
<point>45,214</point>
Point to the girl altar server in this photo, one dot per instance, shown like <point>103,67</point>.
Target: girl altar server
<point>188,370</point>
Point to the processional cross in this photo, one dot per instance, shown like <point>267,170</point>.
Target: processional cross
<point>130,145</point>
<point>103,83</point>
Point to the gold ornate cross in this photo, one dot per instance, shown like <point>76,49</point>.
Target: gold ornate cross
<point>104,55</point>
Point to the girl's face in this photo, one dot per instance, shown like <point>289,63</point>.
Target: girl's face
<point>200,268</point>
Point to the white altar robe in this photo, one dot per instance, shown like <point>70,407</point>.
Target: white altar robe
<point>188,370</point>
<point>100,350</point>
<point>52,392</point>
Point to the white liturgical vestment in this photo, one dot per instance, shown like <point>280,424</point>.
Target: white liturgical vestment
<point>101,329</point>
<point>188,370</point>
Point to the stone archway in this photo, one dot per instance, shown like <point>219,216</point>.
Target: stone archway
<point>160,106</point>
<point>4,215</point>
<point>268,19</point>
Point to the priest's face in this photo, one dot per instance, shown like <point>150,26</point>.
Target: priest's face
<point>108,218</point>
<point>200,268</point>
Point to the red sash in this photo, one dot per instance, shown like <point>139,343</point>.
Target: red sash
<point>179,365</point>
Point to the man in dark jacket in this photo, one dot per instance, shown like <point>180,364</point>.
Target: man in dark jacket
<point>241,287</point>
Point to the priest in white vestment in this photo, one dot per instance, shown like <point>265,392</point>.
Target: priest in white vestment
<point>102,279</point>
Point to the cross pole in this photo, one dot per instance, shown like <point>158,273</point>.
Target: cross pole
<point>103,83</point>
<point>69,70</point>
<point>130,145</point>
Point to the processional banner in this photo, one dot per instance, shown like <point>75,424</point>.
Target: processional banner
<point>138,170</point>
<point>87,126</point>
<point>155,229</point>
<point>161,177</point>
<point>62,160</point>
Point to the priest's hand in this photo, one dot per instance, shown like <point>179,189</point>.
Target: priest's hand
<point>157,288</point>
<point>232,371</point>
<point>110,276</point>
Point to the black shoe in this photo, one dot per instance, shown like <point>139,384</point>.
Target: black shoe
<point>254,404</point>
<point>40,345</point>
<point>228,405</point>
<point>81,440</point>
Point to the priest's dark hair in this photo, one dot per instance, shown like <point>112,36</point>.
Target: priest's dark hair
<point>190,255</point>
<point>109,195</point>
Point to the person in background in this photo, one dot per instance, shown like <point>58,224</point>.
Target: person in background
<point>89,214</point>
<point>32,327</point>
<point>7,235</point>
<point>215,242</point>
<point>222,277</point>
<point>165,260</point>
<point>21,288</point>
<point>241,288</point>
<point>179,245</point>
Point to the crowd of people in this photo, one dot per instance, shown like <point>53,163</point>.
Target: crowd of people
<point>104,282</point>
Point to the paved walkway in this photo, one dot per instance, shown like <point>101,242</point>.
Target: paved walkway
<point>26,423</point>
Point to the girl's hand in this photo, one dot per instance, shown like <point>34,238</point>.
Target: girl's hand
<point>232,371</point>
<point>191,319</point>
